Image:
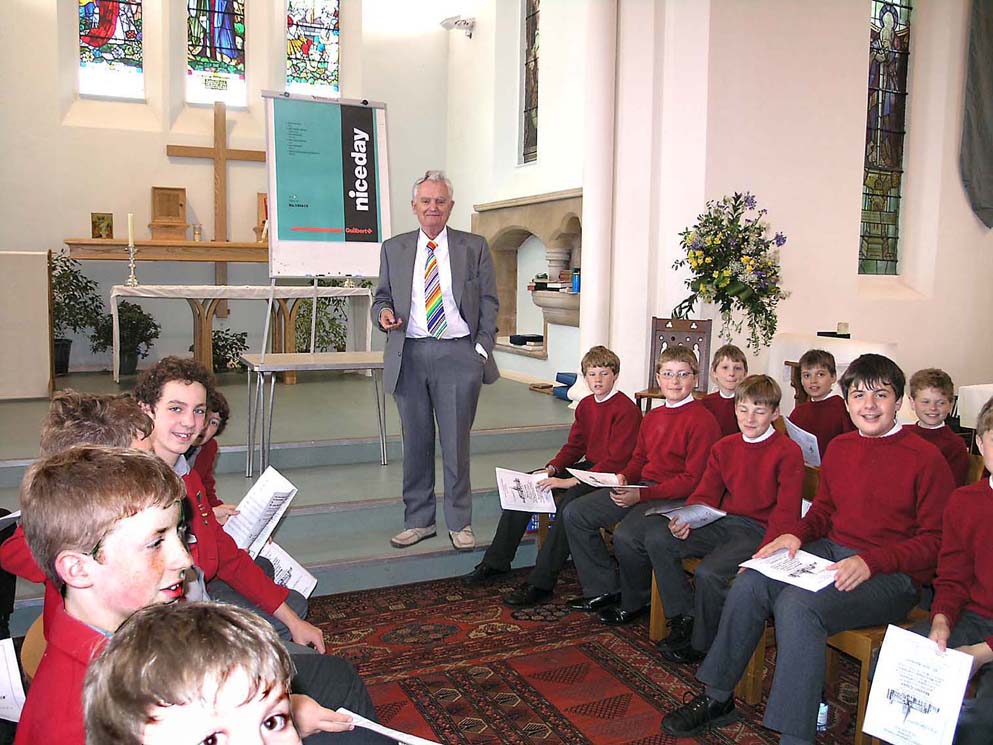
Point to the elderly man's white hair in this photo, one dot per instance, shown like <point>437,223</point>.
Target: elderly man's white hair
<point>433,176</point>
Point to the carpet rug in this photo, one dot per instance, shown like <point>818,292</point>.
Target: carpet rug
<point>453,664</point>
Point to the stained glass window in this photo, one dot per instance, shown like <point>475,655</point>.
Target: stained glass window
<point>312,47</point>
<point>215,43</point>
<point>529,129</point>
<point>889,53</point>
<point>110,48</point>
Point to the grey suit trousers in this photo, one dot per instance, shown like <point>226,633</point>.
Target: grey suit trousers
<point>440,380</point>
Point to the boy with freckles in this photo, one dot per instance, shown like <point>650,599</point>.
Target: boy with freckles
<point>106,527</point>
<point>877,515</point>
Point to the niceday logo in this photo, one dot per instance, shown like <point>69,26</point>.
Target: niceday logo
<point>358,156</point>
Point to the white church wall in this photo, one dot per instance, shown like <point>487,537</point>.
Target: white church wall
<point>530,261</point>
<point>484,104</point>
<point>66,157</point>
<point>786,120</point>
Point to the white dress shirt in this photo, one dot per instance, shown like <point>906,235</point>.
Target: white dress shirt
<point>417,323</point>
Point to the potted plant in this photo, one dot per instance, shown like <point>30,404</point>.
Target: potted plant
<point>76,305</point>
<point>227,346</point>
<point>138,329</point>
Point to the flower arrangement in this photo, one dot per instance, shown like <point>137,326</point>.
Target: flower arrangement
<point>735,265</point>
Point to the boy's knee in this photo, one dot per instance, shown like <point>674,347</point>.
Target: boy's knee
<point>660,540</point>
<point>574,516</point>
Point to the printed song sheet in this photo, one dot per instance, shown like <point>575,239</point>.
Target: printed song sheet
<point>519,491</point>
<point>400,737</point>
<point>917,691</point>
<point>694,515</point>
<point>803,570</point>
<point>602,480</point>
<point>289,572</point>
<point>260,511</point>
<point>11,687</point>
<point>806,441</point>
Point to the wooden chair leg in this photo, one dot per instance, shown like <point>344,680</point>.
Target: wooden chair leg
<point>657,627</point>
<point>749,688</point>
<point>543,527</point>
<point>861,738</point>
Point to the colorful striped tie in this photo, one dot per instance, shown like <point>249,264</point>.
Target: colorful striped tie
<point>432,295</point>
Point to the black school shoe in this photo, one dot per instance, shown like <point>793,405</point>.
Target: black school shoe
<point>481,575</point>
<point>617,616</point>
<point>588,605</point>
<point>525,595</point>
<point>699,715</point>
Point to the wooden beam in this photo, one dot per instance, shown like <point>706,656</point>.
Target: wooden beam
<point>101,249</point>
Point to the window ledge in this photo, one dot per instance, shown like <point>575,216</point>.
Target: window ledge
<point>536,353</point>
<point>887,287</point>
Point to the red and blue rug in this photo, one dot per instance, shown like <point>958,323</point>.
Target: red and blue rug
<point>453,664</point>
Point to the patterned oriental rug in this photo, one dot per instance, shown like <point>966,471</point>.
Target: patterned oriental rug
<point>453,664</point>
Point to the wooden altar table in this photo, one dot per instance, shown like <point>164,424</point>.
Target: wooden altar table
<point>203,301</point>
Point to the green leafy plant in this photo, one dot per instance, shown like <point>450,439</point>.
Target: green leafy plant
<point>734,264</point>
<point>139,330</point>
<point>76,301</point>
<point>331,333</point>
<point>226,347</point>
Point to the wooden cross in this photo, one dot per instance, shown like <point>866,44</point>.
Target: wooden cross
<point>220,153</point>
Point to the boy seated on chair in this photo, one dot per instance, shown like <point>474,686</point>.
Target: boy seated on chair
<point>77,419</point>
<point>931,395</point>
<point>232,687</point>
<point>729,368</point>
<point>671,453</point>
<point>202,456</point>
<point>756,477</point>
<point>824,415</point>
<point>106,526</point>
<point>962,609</point>
<point>877,516</point>
<point>173,392</point>
<point>601,439</point>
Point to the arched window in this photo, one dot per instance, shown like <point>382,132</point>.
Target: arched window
<point>889,54</point>
<point>215,57</point>
<point>312,47</point>
<point>529,124</point>
<point>110,54</point>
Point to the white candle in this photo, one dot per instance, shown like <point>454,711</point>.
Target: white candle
<point>131,228</point>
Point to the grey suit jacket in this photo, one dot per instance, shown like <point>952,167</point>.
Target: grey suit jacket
<point>473,285</point>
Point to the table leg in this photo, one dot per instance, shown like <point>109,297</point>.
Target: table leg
<point>250,421</point>
<point>380,414</point>
<point>260,414</point>
<point>116,337</point>
<point>272,398</point>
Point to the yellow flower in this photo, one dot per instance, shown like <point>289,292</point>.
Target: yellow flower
<point>709,260</point>
<point>717,274</point>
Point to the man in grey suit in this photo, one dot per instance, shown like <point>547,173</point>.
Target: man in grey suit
<point>437,302</point>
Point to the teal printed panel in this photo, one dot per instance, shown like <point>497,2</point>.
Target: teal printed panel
<point>308,170</point>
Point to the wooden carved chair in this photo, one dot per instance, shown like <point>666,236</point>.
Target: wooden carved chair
<point>694,334</point>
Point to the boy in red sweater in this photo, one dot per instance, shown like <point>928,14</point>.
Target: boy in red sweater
<point>877,516</point>
<point>601,439</point>
<point>756,477</point>
<point>729,368</point>
<point>962,610</point>
<point>931,394</point>
<point>106,526</point>
<point>669,458</point>
<point>173,393</point>
<point>824,415</point>
<point>202,457</point>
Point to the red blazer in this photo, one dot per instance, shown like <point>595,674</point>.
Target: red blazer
<point>204,465</point>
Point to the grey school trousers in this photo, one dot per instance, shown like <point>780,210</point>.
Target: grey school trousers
<point>722,546</point>
<point>439,379</point>
<point>804,620</point>
<point>222,592</point>
<point>597,572</point>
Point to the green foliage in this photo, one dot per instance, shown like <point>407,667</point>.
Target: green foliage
<point>227,346</point>
<point>76,301</point>
<point>332,320</point>
<point>735,265</point>
<point>139,330</point>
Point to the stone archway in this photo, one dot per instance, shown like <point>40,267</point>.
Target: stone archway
<point>555,219</point>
